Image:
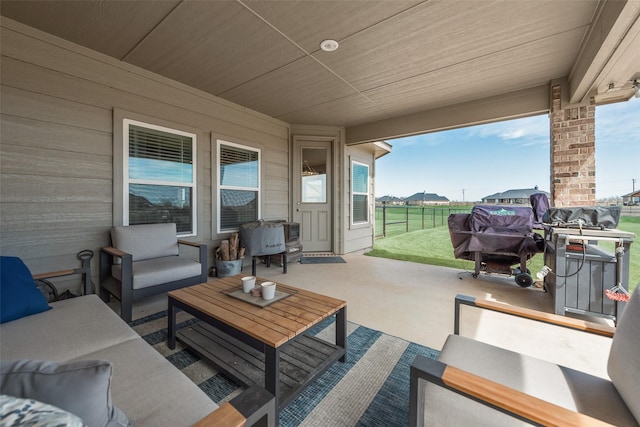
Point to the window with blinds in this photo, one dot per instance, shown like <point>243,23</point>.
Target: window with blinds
<point>238,185</point>
<point>359,193</point>
<point>159,176</point>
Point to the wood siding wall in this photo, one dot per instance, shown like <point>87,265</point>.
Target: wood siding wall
<point>57,108</point>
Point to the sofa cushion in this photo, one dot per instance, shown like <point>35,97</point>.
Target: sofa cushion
<point>146,241</point>
<point>562,386</point>
<point>74,327</point>
<point>82,388</point>
<point>150,390</point>
<point>624,359</point>
<point>155,271</point>
<point>29,412</point>
<point>19,295</point>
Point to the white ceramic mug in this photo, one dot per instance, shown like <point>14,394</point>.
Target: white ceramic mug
<point>248,283</point>
<point>268,290</point>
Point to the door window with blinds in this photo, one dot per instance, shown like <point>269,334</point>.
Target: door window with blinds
<point>238,185</point>
<point>159,176</point>
<point>359,193</point>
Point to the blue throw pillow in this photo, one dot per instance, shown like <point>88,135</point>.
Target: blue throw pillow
<point>19,295</point>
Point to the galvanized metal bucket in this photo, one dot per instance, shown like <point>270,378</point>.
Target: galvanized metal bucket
<point>228,268</point>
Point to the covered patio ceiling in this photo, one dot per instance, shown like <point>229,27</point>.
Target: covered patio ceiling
<point>403,67</point>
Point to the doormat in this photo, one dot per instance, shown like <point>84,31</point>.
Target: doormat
<point>322,260</point>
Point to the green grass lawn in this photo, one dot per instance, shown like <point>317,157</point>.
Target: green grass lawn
<point>433,246</point>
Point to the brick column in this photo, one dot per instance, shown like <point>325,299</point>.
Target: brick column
<point>573,161</point>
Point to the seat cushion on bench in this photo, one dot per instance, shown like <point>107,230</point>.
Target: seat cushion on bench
<point>146,241</point>
<point>151,272</point>
<point>66,331</point>
<point>162,395</point>
<point>559,385</point>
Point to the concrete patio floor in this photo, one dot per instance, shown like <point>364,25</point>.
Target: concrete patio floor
<point>416,302</point>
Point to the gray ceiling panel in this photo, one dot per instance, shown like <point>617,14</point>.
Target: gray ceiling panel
<point>213,46</point>
<point>110,27</point>
<point>395,57</point>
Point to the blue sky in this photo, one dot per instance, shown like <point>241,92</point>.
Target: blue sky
<point>491,158</point>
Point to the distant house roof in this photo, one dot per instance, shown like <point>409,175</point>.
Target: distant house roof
<point>389,199</point>
<point>633,194</point>
<point>427,197</point>
<point>522,193</point>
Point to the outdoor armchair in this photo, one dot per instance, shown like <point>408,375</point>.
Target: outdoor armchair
<point>474,383</point>
<point>145,260</point>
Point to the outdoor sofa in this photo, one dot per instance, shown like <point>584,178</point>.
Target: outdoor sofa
<point>473,383</point>
<point>80,357</point>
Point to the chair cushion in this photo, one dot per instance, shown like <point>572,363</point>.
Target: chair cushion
<point>624,359</point>
<point>146,241</point>
<point>82,388</point>
<point>19,295</point>
<point>157,271</point>
<point>562,386</point>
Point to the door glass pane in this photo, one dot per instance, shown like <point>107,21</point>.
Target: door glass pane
<point>314,175</point>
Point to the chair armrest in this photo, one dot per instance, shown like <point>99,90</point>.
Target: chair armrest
<point>188,243</point>
<point>252,405</point>
<point>53,274</point>
<point>492,394</point>
<point>554,319</point>
<point>114,251</point>
<point>85,271</point>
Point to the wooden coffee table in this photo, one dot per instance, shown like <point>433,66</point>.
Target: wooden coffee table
<point>255,345</point>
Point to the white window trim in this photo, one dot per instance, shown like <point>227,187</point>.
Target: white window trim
<point>219,186</point>
<point>367,193</point>
<point>126,181</point>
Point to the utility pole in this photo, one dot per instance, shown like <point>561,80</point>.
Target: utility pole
<point>463,194</point>
<point>633,182</point>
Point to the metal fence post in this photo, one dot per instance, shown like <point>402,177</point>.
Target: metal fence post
<point>406,217</point>
<point>384,219</point>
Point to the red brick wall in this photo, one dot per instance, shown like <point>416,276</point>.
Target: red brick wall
<point>573,161</point>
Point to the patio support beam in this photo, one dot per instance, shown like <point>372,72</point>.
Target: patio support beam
<point>610,41</point>
<point>521,103</point>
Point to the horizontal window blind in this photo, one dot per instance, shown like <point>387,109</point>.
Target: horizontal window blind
<point>238,167</point>
<point>158,145</point>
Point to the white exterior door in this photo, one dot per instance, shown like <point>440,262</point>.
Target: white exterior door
<point>312,184</point>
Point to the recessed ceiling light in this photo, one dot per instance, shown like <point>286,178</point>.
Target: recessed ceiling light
<point>329,45</point>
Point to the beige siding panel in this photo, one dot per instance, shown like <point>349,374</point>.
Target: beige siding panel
<point>47,189</point>
<point>54,243</point>
<point>53,83</point>
<point>353,245</point>
<point>34,133</point>
<point>21,103</point>
<point>84,64</point>
<point>37,217</point>
<point>36,161</point>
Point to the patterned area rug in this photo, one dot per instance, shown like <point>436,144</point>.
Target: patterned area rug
<point>370,389</point>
